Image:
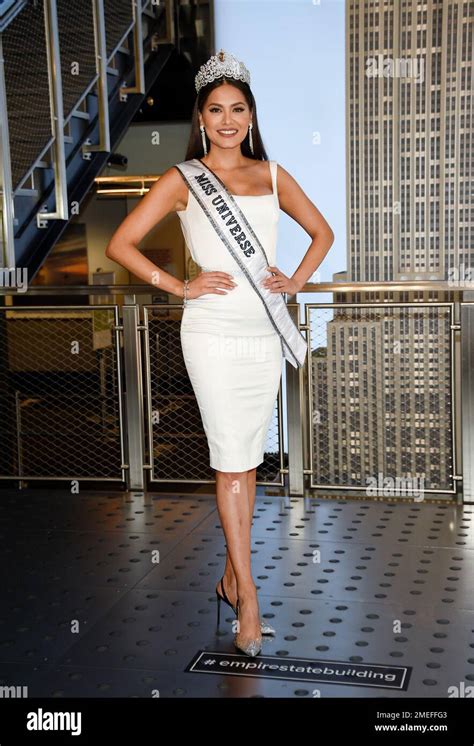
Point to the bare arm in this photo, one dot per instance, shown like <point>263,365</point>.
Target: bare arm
<point>161,199</point>
<point>297,205</point>
<point>165,196</point>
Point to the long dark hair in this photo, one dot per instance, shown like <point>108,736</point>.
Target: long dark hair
<point>195,148</point>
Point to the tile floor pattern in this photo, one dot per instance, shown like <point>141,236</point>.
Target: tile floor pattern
<point>334,577</point>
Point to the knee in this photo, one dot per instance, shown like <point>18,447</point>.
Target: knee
<point>230,477</point>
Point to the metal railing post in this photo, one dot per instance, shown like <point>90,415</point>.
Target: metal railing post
<point>467,397</point>
<point>134,393</point>
<point>102,87</point>
<point>295,407</point>
<point>139,86</point>
<point>57,116</point>
<point>7,236</point>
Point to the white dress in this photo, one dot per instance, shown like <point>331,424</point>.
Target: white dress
<point>232,353</point>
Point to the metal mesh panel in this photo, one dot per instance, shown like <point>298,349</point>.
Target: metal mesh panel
<point>59,394</point>
<point>269,469</point>
<point>118,18</point>
<point>27,89</point>
<point>380,395</point>
<point>78,66</point>
<point>179,450</point>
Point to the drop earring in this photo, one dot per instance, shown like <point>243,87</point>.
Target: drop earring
<point>203,135</point>
<point>250,137</point>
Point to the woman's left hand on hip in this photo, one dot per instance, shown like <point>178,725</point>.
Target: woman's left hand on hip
<point>279,282</point>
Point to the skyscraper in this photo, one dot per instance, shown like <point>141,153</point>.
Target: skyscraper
<point>410,143</point>
<point>410,214</point>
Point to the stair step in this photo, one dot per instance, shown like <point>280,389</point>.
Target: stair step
<point>81,115</point>
<point>24,192</point>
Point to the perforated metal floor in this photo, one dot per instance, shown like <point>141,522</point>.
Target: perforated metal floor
<point>87,611</point>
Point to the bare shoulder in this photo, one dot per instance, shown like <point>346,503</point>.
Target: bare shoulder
<point>295,202</point>
<point>169,192</point>
<point>288,187</point>
<point>172,188</point>
<point>284,177</point>
<point>166,195</point>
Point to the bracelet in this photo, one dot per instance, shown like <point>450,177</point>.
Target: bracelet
<point>185,292</point>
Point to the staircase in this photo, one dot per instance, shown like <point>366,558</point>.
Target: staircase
<point>72,77</point>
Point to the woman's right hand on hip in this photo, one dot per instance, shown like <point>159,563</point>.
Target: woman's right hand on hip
<point>209,282</point>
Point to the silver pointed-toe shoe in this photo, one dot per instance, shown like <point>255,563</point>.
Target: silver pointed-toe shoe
<point>265,628</point>
<point>250,647</point>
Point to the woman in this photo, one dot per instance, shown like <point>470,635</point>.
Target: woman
<point>235,329</point>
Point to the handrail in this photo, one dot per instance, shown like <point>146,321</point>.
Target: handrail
<point>9,11</point>
<point>320,287</point>
<point>390,285</point>
<point>458,363</point>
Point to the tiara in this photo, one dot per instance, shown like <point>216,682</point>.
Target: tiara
<point>220,64</point>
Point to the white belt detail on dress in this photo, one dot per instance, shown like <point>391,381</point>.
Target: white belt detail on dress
<point>245,248</point>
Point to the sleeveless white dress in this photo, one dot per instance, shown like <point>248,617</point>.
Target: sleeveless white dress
<point>232,353</point>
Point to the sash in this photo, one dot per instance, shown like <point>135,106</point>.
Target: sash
<point>238,237</point>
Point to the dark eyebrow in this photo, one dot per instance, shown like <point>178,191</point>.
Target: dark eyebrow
<point>235,104</point>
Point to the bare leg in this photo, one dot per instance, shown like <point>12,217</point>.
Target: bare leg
<point>233,506</point>
<point>230,580</point>
<point>251,489</point>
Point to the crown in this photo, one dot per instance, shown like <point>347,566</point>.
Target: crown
<point>220,64</point>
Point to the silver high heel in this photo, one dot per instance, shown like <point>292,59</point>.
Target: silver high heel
<point>265,628</point>
<point>252,647</point>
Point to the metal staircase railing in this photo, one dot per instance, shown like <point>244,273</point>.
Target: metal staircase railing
<point>62,116</point>
<point>8,10</point>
